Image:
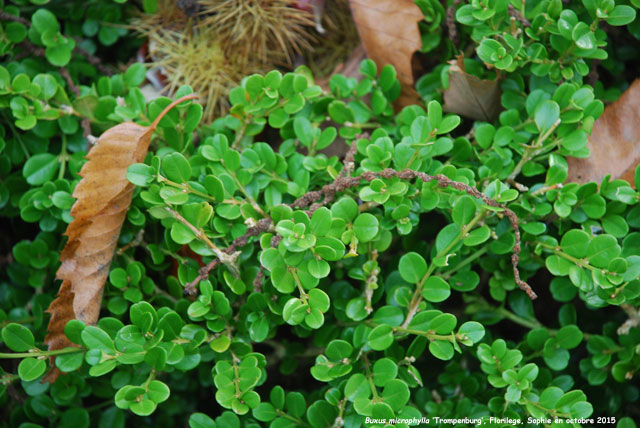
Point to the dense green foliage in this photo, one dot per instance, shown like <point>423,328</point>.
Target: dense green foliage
<point>394,297</point>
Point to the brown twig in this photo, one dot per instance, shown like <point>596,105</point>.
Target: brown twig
<point>92,59</point>
<point>257,281</point>
<point>326,194</point>
<point>67,77</point>
<point>8,17</point>
<point>593,76</point>
<point>6,260</point>
<point>515,13</point>
<point>450,20</point>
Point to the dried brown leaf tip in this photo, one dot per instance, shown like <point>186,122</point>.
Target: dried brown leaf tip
<point>102,199</point>
<point>614,142</point>
<point>390,35</point>
<point>471,96</point>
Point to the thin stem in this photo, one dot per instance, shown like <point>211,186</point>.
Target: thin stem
<point>186,187</point>
<point>369,375</point>
<point>240,133</point>
<point>546,189</point>
<point>466,261</point>
<point>532,151</point>
<point>227,259</point>
<point>417,295</point>
<point>17,135</point>
<point>362,125</point>
<point>39,353</point>
<point>252,201</point>
<point>298,421</point>
<point>428,335</point>
<point>303,294</point>
<point>524,322</point>
<point>63,156</point>
<point>529,323</point>
<point>236,374</point>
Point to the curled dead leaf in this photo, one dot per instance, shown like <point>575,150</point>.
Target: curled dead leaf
<point>614,142</point>
<point>471,96</point>
<point>390,35</point>
<point>102,197</point>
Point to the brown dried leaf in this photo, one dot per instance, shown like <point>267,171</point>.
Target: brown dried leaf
<point>390,35</point>
<point>471,96</point>
<point>614,142</point>
<point>103,197</point>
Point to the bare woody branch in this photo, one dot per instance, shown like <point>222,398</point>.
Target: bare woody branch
<point>318,198</point>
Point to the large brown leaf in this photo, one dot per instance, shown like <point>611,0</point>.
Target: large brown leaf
<point>103,197</point>
<point>471,96</point>
<point>390,35</point>
<point>614,142</point>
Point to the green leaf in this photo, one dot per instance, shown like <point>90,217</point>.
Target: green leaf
<point>621,15</point>
<point>43,20</point>
<point>181,234</point>
<point>464,210</point>
<point>296,404</point>
<point>575,243</point>
<point>176,168</point>
<point>200,420</point>
<point>134,75</point>
<point>381,337</point>
<point>338,350</point>
<point>594,206</point>
<point>368,68</point>
<point>441,349</point>
<point>339,112</point>
<point>412,267</point>
<point>321,414</point>
<point>31,369</point>
<point>602,249</point>
<point>547,113</point>
<point>396,394</point>
<point>436,289</point>
<point>254,85</point>
<point>60,54</point>
<point>477,236</point>
<point>365,227</point>
<point>141,174</point>
<point>321,221</point>
<point>473,330</point>
<point>158,391</point>
<point>17,337</point>
<point>40,168</point>
<point>73,331</point>
<point>346,208</point>
<point>357,387</point>
<point>96,338</point>
<point>303,130</point>
<point>387,77</point>
<point>384,370</point>
<point>319,300</point>
<point>568,337</point>
<point>443,323</point>
<point>265,412</point>
<point>143,407</point>
<point>70,362</point>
